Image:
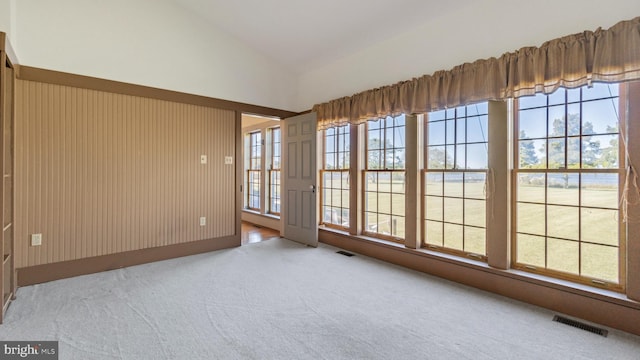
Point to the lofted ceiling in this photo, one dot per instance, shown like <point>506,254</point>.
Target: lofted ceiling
<point>302,35</point>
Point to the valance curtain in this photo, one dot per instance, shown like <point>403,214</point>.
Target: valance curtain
<point>611,55</point>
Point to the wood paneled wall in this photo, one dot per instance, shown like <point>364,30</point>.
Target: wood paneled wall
<point>99,173</point>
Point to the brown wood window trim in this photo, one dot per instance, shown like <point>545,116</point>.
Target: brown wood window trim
<point>385,146</point>
<point>342,207</point>
<point>443,248</point>
<point>339,150</point>
<point>254,174</point>
<point>393,226</point>
<point>274,192</point>
<point>274,175</point>
<point>578,173</point>
<point>251,194</point>
<point>468,130</point>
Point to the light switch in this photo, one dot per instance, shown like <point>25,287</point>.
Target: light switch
<point>228,160</point>
<point>203,159</point>
<point>36,239</point>
<point>203,221</point>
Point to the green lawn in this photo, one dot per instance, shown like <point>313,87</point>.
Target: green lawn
<point>578,239</point>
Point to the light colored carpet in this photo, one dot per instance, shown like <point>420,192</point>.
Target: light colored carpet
<point>281,300</point>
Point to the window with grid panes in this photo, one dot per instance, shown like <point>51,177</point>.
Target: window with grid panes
<point>335,177</point>
<point>567,185</point>
<point>455,179</point>
<point>253,172</point>
<point>384,178</point>
<point>274,172</point>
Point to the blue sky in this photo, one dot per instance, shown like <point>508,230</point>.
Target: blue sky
<point>468,125</point>
<point>599,108</point>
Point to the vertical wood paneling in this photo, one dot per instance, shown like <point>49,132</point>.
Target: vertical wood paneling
<point>7,249</point>
<point>99,173</point>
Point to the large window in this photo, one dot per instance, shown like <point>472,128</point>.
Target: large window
<point>533,183</point>
<point>335,177</point>
<point>568,174</point>
<point>455,179</point>
<point>274,172</point>
<point>254,140</point>
<point>384,178</point>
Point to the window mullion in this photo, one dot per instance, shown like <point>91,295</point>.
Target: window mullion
<point>632,245</point>
<point>497,206</point>
<point>263,172</point>
<point>356,155</point>
<point>414,129</point>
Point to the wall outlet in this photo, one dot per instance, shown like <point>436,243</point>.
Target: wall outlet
<point>36,239</point>
<point>203,221</point>
<point>228,160</point>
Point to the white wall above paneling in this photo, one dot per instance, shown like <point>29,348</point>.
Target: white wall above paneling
<point>474,31</point>
<point>148,42</point>
<point>249,121</point>
<point>254,52</point>
<point>7,14</point>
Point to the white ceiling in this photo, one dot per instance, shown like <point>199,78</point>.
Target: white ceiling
<point>304,34</point>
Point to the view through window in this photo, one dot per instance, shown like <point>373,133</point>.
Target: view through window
<point>568,182</point>
<point>335,177</point>
<point>274,172</point>
<point>253,173</point>
<point>384,178</point>
<point>455,178</point>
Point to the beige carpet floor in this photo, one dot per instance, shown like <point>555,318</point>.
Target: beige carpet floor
<point>280,300</point>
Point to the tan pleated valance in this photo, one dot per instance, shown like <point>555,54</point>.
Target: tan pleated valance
<point>610,55</point>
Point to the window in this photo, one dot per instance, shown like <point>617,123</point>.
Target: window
<point>335,177</point>
<point>567,184</point>
<point>455,179</point>
<point>532,183</point>
<point>384,178</point>
<point>254,140</point>
<point>262,165</point>
<point>274,173</point>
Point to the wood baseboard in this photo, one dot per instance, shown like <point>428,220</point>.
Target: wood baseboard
<point>612,309</point>
<point>66,269</point>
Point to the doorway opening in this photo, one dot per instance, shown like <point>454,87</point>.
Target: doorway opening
<point>252,233</point>
<point>261,166</point>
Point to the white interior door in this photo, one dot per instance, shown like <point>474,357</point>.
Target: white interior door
<point>299,195</point>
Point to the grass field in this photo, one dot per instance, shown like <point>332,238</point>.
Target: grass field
<point>579,239</point>
<point>576,231</point>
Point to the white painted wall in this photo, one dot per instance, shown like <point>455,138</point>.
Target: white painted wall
<point>157,43</point>
<point>477,31</point>
<point>6,19</point>
<point>148,42</point>
<point>5,16</point>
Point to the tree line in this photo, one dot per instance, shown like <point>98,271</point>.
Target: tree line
<point>578,148</point>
